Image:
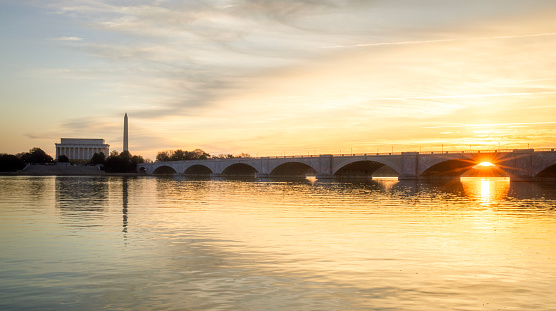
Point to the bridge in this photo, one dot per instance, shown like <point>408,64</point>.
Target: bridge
<point>518,164</point>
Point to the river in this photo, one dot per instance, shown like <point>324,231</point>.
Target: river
<point>155,243</point>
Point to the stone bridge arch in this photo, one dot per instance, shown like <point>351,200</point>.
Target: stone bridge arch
<point>239,169</point>
<point>197,169</point>
<point>547,173</point>
<point>164,170</point>
<point>543,165</point>
<point>448,168</point>
<point>456,164</point>
<point>293,168</point>
<point>364,166</point>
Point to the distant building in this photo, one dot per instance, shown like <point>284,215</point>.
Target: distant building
<point>81,148</point>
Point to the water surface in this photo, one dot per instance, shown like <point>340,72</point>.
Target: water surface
<point>147,243</point>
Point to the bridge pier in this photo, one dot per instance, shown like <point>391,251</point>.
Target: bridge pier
<point>410,166</point>
<point>520,165</point>
<point>262,175</point>
<point>215,175</point>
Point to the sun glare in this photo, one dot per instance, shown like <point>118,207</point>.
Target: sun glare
<point>485,164</point>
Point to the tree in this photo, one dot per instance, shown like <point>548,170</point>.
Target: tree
<point>122,163</point>
<point>163,156</point>
<point>115,164</point>
<point>37,155</point>
<point>125,155</point>
<point>137,159</point>
<point>181,155</point>
<point>63,159</point>
<point>200,154</point>
<point>178,155</point>
<point>10,163</point>
<point>98,158</point>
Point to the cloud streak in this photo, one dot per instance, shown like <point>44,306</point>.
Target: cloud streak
<point>67,39</point>
<point>442,40</point>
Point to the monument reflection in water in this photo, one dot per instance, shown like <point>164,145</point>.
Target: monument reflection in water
<point>176,243</point>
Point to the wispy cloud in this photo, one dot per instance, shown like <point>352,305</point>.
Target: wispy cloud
<point>443,40</point>
<point>463,96</point>
<point>491,125</point>
<point>67,39</point>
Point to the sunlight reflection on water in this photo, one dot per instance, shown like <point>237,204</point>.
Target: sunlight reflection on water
<point>488,190</point>
<point>176,243</point>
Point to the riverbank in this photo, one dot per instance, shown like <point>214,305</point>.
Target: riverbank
<point>67,174</point>
<point>69,170</point>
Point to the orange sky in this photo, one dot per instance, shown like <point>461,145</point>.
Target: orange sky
<point>268,77</point>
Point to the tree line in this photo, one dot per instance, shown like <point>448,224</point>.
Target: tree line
<point>116,162</point>
<point>197,154</point>
<point>123,162</point>
<point>16,162</point>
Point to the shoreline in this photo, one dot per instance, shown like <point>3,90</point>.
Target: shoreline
<point>68,174</point>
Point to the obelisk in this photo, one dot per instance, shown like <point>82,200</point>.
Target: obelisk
<point>125,133</point>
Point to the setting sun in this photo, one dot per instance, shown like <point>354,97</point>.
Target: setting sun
<point>485,164</point>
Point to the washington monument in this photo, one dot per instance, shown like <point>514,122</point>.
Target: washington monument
<point>125,133</point>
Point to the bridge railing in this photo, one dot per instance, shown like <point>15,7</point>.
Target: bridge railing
<point>399,153</point>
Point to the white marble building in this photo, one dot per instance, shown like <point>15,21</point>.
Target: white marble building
<point>81,148</point>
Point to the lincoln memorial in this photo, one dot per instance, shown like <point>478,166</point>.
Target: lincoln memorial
<point>81,148</point>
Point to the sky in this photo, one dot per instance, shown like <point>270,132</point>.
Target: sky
<point>270,78</point>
